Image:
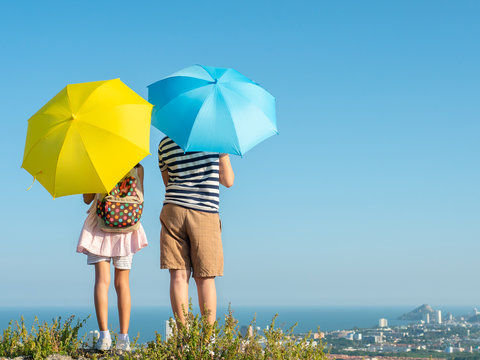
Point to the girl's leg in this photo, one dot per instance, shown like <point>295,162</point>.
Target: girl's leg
<point>179,292</point>
<point>102,282</point>
<point>124,301</point>
<point>207,297</point>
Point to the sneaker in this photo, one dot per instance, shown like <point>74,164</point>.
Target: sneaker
<point>103,344</point>
<point>123,345</point>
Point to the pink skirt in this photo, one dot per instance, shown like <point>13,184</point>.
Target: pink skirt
<point>96,241</point>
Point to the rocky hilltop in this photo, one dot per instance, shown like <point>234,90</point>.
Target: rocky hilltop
<point>418,313</point>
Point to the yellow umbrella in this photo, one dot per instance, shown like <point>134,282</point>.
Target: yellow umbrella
<point>87,137</point>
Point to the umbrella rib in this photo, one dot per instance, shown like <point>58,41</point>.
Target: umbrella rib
<point>205,69</point>
<point>53,128</point>
<point>198,112</point>
<point>183,93</point>
<point>231,118</point>
<point>58,157</point>
<point>247,99</point>
<point>91,162</point>
<point>68,99</point>
<point>117,135</point>
<point>91,93</point>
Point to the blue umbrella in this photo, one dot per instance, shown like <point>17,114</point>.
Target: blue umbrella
<point>205,108</point>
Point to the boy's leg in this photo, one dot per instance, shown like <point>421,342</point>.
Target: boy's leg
<point>175,256</point>
<point>207,297</point>
<point>179,292</point>
<point>102,282</point>
<point>204,231</point>
<point>124,302</point>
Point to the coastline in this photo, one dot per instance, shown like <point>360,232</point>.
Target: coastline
<point>148,320</point>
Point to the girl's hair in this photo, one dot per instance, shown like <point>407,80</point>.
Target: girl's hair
<point>137,165</point>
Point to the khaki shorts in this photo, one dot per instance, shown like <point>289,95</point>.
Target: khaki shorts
<point>191,239</point>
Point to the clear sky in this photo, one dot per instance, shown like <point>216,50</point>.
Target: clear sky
<point>369,195</point>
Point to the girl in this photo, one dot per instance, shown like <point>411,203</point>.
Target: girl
<point>103,240</point>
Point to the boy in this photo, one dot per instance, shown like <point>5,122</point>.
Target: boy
<point>191,230</point>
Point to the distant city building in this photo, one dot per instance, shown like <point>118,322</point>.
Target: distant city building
<point>243,330</point>
<point>475,312</point>
<point>246,330</point>
<point>341,333</point>
<point>383,323</point>
<point>374,338</point>
<point>439,316</point>
<point>445,336</point>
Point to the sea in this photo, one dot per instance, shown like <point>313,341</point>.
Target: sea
<point>145,321</point>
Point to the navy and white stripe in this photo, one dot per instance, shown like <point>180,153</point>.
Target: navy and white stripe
<point>193,177</point>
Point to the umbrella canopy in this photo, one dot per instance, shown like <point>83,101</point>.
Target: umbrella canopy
<point>205,108</point>
<point>87,137</point>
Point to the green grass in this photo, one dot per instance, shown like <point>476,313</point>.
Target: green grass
<point>192,342</point>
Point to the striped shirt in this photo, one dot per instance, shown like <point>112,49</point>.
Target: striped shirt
<point>193,177</point>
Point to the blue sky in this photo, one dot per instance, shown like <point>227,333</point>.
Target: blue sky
<point>369,195</point>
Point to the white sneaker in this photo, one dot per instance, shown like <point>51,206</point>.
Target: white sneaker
<point>123,345</point>
<point>103,344</point>
<point>92,338</point>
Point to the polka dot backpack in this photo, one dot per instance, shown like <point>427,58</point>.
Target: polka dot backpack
<point>120,210</point>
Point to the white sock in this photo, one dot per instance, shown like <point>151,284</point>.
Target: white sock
<point>104,334</point>
<point>123,337</point>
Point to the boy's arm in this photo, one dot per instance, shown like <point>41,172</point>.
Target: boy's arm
<point>88,198</point>
<point>225,171</point>
<point>165,177</point>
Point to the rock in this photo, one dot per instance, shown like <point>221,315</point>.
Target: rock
<point>418,313</point>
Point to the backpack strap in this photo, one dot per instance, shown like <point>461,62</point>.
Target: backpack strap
<point>139,188</point>
<point>93,206</point>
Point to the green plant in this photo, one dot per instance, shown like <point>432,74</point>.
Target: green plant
<point>197,340</point>
<point>194,340</point>
<point>43,339</point>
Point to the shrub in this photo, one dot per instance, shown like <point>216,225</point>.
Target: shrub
<point>196,340</point>
<point>42,340</point>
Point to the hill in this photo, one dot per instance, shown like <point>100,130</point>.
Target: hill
<point>418,313</point>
